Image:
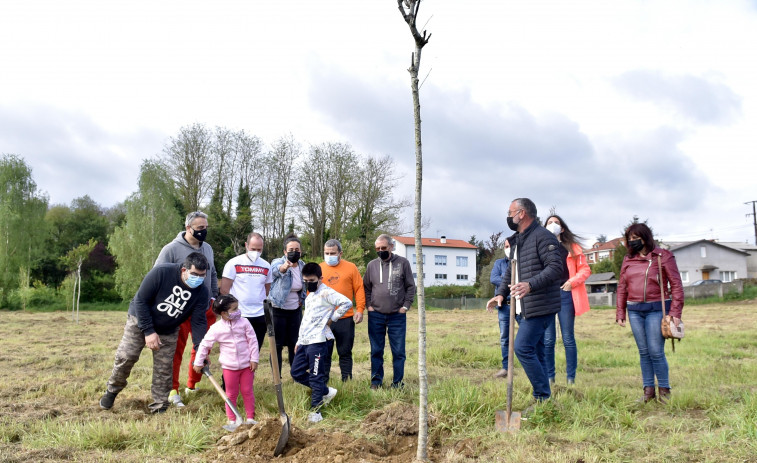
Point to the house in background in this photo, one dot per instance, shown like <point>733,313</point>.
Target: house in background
<point>751,260</point>
<point>445,262</point>
<point>708,260</point>
<point>602,251</point>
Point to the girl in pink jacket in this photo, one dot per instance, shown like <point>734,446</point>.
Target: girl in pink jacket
<point>238,354</point>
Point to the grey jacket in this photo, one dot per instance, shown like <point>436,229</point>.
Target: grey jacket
<point>177,250</point>
<point>389,286</point>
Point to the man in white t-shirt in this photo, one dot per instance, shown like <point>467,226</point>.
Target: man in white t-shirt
<point>248,277</point>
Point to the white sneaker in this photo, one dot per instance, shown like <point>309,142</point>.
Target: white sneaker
<point>328,397</point>
<point>250,421</point>
<point>315,417</point>
<point>188,390</point>
<point>175,398</point>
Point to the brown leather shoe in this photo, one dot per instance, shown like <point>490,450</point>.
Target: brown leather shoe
<point>648,394</point>
<point>663,394</point>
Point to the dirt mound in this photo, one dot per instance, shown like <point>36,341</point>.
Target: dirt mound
<point>390,437</point>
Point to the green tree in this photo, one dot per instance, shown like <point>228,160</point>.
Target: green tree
<point>617,258</point>
<point>602,266</point>
<point>152,220</point>
<point>73,261</point>
<point>22,226</point>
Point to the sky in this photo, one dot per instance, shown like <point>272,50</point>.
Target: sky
<point>602,110</point>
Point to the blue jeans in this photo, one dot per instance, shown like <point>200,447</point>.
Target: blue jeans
<point>503,313</point>
<point>529,347</point>
<point>567,317</point>
<point>648,335</point>
<point>308,369</point>
<point>394,326</point>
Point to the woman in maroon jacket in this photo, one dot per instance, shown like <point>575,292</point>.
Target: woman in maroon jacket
<point>639,294</point>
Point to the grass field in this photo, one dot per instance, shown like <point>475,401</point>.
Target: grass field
<point>55,371</point>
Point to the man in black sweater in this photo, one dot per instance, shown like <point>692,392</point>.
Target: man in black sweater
<point>169,295</point>
<point>536,292</point>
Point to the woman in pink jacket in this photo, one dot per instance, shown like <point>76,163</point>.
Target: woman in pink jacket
<point>238,354</point>
<point>574,300</point>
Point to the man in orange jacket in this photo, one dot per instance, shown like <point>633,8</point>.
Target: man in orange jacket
<point>344,277</point>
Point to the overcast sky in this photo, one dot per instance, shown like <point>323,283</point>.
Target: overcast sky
<point>601,109</point>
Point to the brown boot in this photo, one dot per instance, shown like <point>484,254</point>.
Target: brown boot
<point>648,394</point>
<point>663,394</point>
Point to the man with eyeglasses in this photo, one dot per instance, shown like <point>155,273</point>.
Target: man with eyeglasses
<point>192,239</point>
<point>535,296</point>
<point>389,291</point>
<point>170,295</point>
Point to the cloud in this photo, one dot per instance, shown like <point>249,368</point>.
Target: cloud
<point>478,158</point>
<point>692,97</point>
<point>71,156</point>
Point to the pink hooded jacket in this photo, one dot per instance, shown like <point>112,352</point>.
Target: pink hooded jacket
<point>237,341</point>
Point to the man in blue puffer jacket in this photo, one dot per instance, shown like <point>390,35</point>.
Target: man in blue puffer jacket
<point>536,293</point>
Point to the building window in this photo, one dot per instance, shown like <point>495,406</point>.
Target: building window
<point>440,260</point>
<point>728,276</point>
<point>415,275</point>
<point>462,277</point>
<point>462,261</point>
<point>703,251</point>
<point>440,276</point>
<point>424,258</point>
<point>604,255</point>
<point>684,276</point>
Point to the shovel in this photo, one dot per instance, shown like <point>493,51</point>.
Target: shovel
<point>229,427</point>
<point>267,307</point>
<point>509,421</point>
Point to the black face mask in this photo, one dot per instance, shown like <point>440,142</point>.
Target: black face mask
<point>293,256</point>
<point>510,223</point>
<point>311,286</point>
<point>384,255</point>
<point>200,235</point>
<point>636,246</point>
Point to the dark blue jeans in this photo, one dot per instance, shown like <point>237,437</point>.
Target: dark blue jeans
<point>394,326</point>
<point>308,369</point>
<point>645,325</point>
<point>567,317</point>
<point>529,347</point>
<point>503,313</point>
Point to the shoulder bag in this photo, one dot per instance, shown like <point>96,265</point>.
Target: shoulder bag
<point>669,328</point>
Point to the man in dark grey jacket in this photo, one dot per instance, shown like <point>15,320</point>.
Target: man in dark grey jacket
<point>389,292</point>
<point>536,292</point>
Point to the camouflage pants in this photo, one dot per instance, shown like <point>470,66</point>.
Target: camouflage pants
<point>127,355</point>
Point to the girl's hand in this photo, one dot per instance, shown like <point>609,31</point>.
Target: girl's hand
<point>676,321</point>
<point>197,369</point>
<point>253,366</point>
<point>622,323</point>
<point>567,286</point>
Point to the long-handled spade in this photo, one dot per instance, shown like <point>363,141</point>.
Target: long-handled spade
<point>508,420</point>
<point>229,427</point>
<point>276,380</point>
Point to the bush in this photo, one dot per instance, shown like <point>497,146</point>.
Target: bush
<point>449,291</point>
<point>37,295</point>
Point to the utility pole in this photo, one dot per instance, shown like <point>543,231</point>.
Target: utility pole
<point>754,218</point>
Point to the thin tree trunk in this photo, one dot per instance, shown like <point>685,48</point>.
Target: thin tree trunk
<point>409,11</point>
<point>78,295</point>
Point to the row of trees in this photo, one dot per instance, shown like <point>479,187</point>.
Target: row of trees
<point>319,192</point>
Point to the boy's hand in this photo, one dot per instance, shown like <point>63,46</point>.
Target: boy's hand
<point>296,347</point>
<point>197,369</point>
<point>253,366</point>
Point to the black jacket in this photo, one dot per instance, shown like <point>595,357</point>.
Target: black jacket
<point>540,265</point>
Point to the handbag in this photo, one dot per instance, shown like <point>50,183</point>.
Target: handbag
<point>669,328</point>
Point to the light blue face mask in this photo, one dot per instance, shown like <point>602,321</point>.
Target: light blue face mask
<point>332,260</point>
<point>194,281</point>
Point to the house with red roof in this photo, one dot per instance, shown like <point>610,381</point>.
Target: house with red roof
<point>601,251</point>
<point>445,261</point>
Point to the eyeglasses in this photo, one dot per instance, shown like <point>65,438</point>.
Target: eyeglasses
<point>512,214</point>
<point>382,248</point>
<point>200,228</point>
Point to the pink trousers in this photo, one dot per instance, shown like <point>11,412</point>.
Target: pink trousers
<point>236,381</point>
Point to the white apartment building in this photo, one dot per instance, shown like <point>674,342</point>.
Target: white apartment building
<point>445,262</point>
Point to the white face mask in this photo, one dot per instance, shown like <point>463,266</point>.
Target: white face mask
<point>253,255</point>
<point>507,252</point>
<point>555,228</point>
